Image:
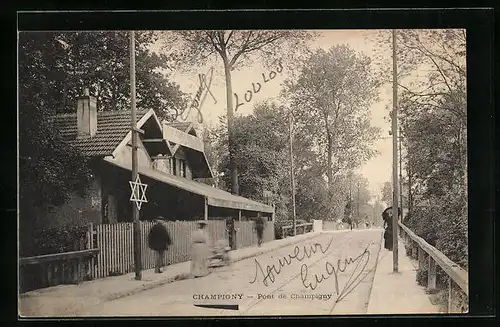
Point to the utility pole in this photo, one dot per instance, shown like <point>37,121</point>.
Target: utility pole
<point>357,205</point>
<point>401,172</point>
<point>292,177</point>
<point>394,156</point>
<point>135,209</point>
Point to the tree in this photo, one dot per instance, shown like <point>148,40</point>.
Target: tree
<point>433,117</point>
<point>66,62</point>
<point>234,49</point>
<point>50,170</point>
<point>331,99</point>
<point>261,150</point>
<point>386,193</point>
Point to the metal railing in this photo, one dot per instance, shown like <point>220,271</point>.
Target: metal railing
<point>425,251</point>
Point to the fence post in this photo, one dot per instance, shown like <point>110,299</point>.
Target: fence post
<point>421,258</point>
<point>431,276</point>
<point>90,245</point>
<point>414,249</point>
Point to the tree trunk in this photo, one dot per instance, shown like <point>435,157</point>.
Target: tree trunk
<point>229,96</point>
<point>329,162</point>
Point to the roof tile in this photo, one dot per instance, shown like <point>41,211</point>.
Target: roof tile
<point>112,127</point>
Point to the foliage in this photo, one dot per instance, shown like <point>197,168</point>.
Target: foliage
<point>387,193</point>
<point>260,151</point>
<point>54,67</point>
<point>331,99</point>
<point>50,169</point>
<point>235,49</point>
<point>433,116</point>
<point>54,240</point>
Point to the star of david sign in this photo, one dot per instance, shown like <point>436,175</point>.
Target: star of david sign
<point>138,192</point>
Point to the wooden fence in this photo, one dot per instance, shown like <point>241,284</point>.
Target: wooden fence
<point>112,246</point>
<point>246,236</point>
<point>429,258</point>
<point>116,244</point>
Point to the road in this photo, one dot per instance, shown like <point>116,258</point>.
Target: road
<point>329,274</point>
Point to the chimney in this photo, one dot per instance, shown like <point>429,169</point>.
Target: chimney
<point>86,115</point>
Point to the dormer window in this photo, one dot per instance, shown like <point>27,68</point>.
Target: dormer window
<point>173,166</point>
<point>182,168</point>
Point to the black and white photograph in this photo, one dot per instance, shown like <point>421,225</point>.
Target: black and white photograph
<point>209,173</point>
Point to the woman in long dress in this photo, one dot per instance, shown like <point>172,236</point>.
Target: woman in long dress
<point>387,217</point>
<point>200,251</point>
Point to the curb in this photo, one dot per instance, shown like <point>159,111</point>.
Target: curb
<point>374,273</point>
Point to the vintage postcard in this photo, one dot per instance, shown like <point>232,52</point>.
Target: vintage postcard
<point>242,172</point>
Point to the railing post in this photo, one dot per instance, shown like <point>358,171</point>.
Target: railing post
<point>421,258</point>
<point>414,250</point>
<point>431,276</point>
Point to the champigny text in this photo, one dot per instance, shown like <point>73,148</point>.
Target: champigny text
<point>235,296</point>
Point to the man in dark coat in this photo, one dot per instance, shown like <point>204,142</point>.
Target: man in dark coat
<point>159,240</point>
<point>259,228</point>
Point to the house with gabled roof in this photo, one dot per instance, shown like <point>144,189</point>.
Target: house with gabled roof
<point>171,161</point>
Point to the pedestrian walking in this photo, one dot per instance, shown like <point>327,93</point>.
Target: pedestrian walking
<point>231,232</point>
<point>159,240</point>
<point>387,217</point>
<point>259,228</point>
<point>200,251</point>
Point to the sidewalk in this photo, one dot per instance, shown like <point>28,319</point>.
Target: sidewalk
<point>68,300</point>
<point>398,293</point>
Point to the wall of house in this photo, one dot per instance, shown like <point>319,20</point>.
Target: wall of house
<point>124,155</point>
<point>165,164</point>
<point>162,164</point>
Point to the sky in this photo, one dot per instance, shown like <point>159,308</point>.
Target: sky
<point>377,170</point>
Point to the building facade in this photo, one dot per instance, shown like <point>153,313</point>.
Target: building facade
<point>171,160</point>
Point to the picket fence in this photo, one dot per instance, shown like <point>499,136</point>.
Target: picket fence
<point>116,245</point>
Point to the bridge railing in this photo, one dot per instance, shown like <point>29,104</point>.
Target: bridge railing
<point>434,257</point>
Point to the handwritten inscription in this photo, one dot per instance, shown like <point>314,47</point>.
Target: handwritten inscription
<point>356,266</point>
<point>256,86</point>
<point>200,96</point>
<point>270,272</point>
<point>341,266</point>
